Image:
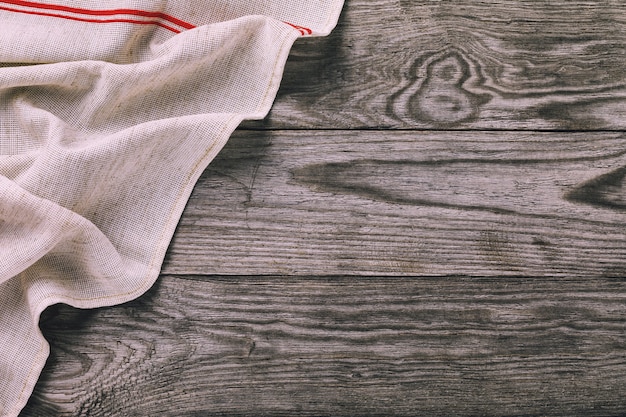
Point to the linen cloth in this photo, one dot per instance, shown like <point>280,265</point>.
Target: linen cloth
<point>109,112</point>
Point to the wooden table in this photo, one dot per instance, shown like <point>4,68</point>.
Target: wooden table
<point>430,222</point>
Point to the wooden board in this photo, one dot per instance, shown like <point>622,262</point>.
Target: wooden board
<point>502,64</point>
<point>280,346</point>
<point>409,203</point>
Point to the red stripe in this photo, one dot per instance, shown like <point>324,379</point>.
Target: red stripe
<point>301,29</point>
<point>80,19</point>
<point>91,12</point>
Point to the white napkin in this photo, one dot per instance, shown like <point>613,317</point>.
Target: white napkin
<point>109,112</point>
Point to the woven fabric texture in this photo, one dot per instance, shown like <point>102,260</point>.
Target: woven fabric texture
<point>109,113</point>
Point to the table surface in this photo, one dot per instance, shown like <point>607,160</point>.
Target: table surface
<point>430,222</point>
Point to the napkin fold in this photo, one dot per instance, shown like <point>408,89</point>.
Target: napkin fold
<point>109,113</point>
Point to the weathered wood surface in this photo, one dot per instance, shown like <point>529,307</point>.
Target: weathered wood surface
<point>461,254</point>
<point>409,203</point>
<point>514,64</point>
<point>200,346</point>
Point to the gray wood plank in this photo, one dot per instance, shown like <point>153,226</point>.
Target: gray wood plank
<point>500,64</point>
<point>200,346</point>
<point>408,203</point>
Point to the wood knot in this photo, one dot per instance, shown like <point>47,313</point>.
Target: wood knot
<point>437,93</point>
<point>606,191</point>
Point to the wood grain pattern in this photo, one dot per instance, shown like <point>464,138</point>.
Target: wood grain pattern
<point>502,64</point>
<point>408,203</point>
<point>199,346</point>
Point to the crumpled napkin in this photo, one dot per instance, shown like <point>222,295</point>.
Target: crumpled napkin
<point>109,113</point>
